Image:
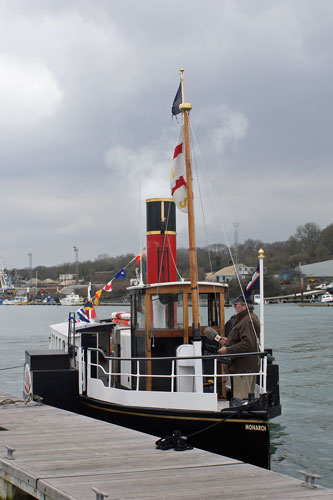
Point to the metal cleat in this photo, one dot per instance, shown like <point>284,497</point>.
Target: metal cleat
<point>99,494</point>
<point>10,453</point>
<point>309,479</point>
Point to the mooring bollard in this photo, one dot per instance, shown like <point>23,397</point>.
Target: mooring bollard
<point>10,453</point>
<point>99,494</point>
<point>309,479</point>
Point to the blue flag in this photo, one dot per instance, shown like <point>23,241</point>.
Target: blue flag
<point>178,100</point>
<point>82,314</point>
<point>254,284</point>
<point>88,306</point>
<point>121,274</point>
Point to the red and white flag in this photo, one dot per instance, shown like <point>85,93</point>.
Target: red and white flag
<point>177,181</point>
<point>108,286</point>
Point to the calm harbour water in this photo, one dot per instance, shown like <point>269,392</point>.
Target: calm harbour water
<point>302,341</point>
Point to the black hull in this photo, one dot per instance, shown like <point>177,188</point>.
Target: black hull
<point>241,433</point>
<point>234,433</point>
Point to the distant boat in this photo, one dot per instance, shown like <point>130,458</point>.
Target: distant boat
<point>8,302</point>
<point>256,299</point>
<point>71,299</point>
<point>17,301</point>
<point>21,301</point>
<point>326,298</point>
<point>36,301</point>
<point>50,301</point>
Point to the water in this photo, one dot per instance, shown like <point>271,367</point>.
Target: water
<point>302,438</point>
<point>27,328</point>
<point>302,340</point>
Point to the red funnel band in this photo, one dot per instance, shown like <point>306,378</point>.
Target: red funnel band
<point>161,241</point>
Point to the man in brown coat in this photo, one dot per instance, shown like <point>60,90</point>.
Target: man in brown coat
<point>243,337</point>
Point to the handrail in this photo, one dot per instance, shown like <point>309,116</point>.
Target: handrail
<point>173,375</point>
<point>145,375</point>
<point>261,354</point>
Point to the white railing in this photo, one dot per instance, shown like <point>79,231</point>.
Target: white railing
<point>173,375</point>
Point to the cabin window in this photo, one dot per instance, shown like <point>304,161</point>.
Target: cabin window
<point>167,311</point>
<point>203,309</point>
<point>140,312</point>
<point>208,309</point>
<point>213,309</point>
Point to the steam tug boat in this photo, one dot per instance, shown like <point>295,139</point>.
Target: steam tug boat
<point>161,374</point>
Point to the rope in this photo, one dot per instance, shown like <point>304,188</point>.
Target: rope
<point>211,426</point>
<point>11,401</point>
<point>173,261</point>
<point>201,203</point>
<point>11,367</point>
<point>179,442</point>
<point>200,197</point>
<point>176,441</point>
<point>224,234</point>
<point>163,248</point>
<point>30,397</point>
<point>165,240</point>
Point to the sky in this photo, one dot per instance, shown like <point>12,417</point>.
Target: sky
<point>86,133</point>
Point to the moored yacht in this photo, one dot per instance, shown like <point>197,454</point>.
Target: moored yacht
<point>326,298</point>
<point>71,299</point>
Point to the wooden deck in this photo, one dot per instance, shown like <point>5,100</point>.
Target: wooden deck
<point>59,455</point>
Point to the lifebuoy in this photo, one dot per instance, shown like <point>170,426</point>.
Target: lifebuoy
<point>121,318</point>
<point>27,381</point>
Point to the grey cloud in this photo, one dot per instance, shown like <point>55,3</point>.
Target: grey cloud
<point>99,125</point>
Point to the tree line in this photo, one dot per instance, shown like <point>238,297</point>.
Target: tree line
<point>309,244</point>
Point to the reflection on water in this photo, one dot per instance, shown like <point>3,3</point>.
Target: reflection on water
<point>302,341</point>
<point>278,435</point>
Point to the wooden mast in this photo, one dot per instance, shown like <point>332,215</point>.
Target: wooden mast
<point>185,108</point>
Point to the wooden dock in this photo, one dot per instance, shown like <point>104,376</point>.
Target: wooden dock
<point>62,456</point>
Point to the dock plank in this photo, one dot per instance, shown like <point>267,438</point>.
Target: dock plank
<point>63,455</point>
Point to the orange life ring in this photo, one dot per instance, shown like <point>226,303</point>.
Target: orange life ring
<point>121,318</point>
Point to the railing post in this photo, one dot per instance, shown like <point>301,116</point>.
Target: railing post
<point>80,371</point>
<point>89,363</point>
<point>215,375</point>
<point>71,335</point>
<point>173,375</point>
<point>264,376</point>
<point>137,374</point>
